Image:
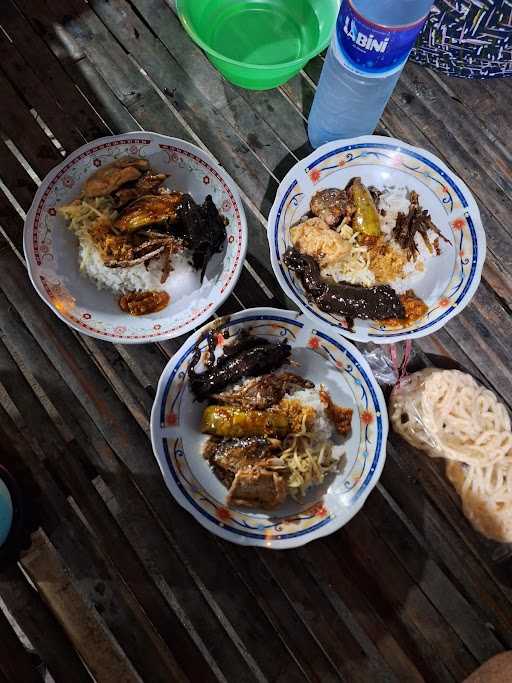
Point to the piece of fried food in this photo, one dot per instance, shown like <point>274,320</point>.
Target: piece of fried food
<point>111,177</point>
<point>316,239</point>
<point>299,415</point>
<point>149,210</point>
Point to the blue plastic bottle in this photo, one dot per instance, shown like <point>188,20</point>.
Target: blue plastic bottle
<point>369,49</point>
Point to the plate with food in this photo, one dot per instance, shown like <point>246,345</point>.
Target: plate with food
<point>136,238</point>
<point>268,431</point>
<point>377,239</point>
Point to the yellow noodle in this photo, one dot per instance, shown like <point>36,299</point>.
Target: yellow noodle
<point>305,460</point>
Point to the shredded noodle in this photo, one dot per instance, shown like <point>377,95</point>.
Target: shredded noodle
<point>355,266</point>
<point>486,494</point>
<point>308,460</point>
<point>448,414</point>
<point>83,215</point>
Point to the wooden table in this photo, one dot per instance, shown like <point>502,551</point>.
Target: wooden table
<point>119,583</point>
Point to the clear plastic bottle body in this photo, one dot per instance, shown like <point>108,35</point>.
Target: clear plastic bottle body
<point>347,103</point>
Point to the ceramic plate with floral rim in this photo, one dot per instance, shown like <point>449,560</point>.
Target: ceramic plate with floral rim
<point>448,281</point>
<point>324,359</point>
<point>51,250</point>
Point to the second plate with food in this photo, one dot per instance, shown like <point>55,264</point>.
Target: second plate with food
<point>268,431</point>
<point>136,238</point>
<point>377,239</point>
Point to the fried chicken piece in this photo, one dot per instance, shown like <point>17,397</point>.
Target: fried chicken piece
<point>149,183</point>
<point>340,417</point>
<point>260,488</point>
<point>330,205</point>
<point>110,178</point>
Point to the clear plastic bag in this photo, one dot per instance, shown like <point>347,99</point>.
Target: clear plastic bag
<point>406,414</point>
<point>448,415</point>
<point>388,362</point>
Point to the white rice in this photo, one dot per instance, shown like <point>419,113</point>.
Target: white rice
<point>323,429</point>
<point>393,200</point>
<point>119,280</point>
<point>181,281</point>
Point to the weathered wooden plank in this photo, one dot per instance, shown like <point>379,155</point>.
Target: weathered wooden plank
<point>128,441</point>
<point>11,223</point>
<point>16,664</point>
<point>485,101</point>
<point>305,647</point>
<point>36,95</point>
<point>434,513</point>
<point>53,80</point>
<point>16,178</point>
<point>46,571</point>
<point>455,609</point>
<point>42,629</point>
<point>408,615</point>
<point>114,544</point>
<point>307,600</point>
<point>355,607</point>
<point>100,586</point>
<point>18,124</point>
<point>169,572</point>
<point>128,505</point>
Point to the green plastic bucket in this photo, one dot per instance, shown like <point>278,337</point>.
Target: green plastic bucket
<point>259,44</point>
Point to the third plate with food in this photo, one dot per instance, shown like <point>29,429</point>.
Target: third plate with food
<point>377,239</point>
<point>269,431</point>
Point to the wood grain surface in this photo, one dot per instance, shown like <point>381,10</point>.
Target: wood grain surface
<point>119,583</point>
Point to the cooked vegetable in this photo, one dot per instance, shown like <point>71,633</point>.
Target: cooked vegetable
<point>227,421</point>
<point>366,217</point>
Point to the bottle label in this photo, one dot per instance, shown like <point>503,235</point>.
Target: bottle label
<point>371,50</point>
